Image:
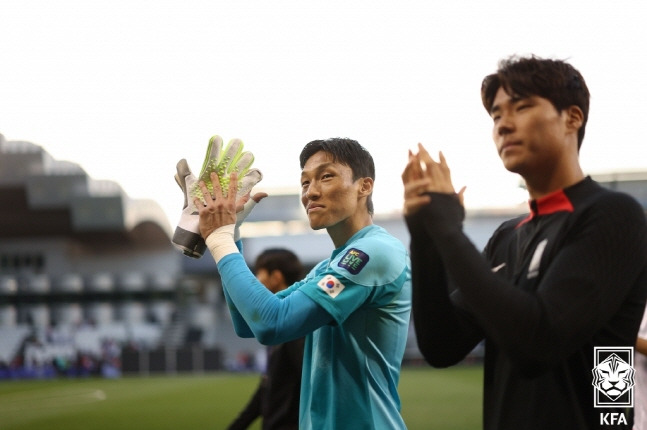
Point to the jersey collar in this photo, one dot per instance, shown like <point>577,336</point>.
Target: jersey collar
<point>549,204</point>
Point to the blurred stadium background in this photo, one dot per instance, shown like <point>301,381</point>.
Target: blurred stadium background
<point>90,285</point>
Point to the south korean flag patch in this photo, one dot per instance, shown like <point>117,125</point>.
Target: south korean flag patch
<point>331,285</point>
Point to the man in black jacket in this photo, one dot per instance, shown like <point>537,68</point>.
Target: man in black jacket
<point>276,399</point>
<point>551,285</point>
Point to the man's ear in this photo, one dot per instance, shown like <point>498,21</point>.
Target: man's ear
<point>365,186</point>
<point>575,117</point>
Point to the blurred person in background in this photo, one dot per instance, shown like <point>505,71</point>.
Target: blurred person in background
<point>276,399</point>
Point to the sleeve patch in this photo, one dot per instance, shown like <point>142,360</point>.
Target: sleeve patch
<point>354,261</point>
<point>331,285</point>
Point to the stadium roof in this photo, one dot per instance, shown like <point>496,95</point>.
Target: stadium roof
<point>41,196</point>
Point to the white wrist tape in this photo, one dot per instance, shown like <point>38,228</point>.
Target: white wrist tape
<point>221,242</point>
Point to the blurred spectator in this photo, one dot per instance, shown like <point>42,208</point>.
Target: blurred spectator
<point>276,399</point>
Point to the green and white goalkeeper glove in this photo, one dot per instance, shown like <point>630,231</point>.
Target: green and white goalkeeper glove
<point>224,162</point>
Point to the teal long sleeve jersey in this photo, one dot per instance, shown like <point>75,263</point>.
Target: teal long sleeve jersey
<point>354,309</point>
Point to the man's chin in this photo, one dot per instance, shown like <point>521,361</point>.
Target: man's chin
<point>315,226</point>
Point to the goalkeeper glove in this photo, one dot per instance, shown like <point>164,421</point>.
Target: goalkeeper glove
<point>187,233</point>
<point>224,163</point>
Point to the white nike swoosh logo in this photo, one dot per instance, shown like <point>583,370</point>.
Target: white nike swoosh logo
<point>499,267</point>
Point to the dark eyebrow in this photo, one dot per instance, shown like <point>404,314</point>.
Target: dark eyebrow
<point>320,167</point>
<point>514,99</point>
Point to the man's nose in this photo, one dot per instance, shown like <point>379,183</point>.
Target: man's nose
<point>312,192</point>
<point>505,125</point>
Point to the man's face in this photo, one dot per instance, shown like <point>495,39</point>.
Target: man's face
<point>529,132</point>
<point>271,282</point>
<point>263,276</point>
<point>328,192</point>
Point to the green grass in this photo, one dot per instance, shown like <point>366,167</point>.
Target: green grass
<point>431,399</point>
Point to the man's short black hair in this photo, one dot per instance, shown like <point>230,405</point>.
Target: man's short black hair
<point>283,260</point>
<point>345,151</point>
<point>554,80</point>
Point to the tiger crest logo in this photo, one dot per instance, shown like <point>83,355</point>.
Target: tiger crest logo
<point>613,378</point>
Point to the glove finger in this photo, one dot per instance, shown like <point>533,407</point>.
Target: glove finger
<point>230,156</point>
<point>243,163</point>
<point>220,164</point>
<point>194,192</point>
<point>183,170</point>
<point>214,151</point>
<point>247,182</point>
<point>215,146</point>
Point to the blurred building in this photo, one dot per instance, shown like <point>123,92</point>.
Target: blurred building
<point>77,254</point>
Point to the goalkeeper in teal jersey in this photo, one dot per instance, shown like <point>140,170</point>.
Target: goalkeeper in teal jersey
<point>353,307</point>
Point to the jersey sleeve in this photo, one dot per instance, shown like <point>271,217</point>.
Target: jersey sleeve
<point>583,286</point>
<point>240,325</point>
<point>366,273</point>
<point>445,334</point>
<point>270,318</point>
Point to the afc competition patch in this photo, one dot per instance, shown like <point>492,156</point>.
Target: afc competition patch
<point>354,261</point>
<point>331,285</point>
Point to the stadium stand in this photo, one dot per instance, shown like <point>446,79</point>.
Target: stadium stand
<point>81,264</point>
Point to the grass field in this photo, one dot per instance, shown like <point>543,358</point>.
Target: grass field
<point>431,399</point>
